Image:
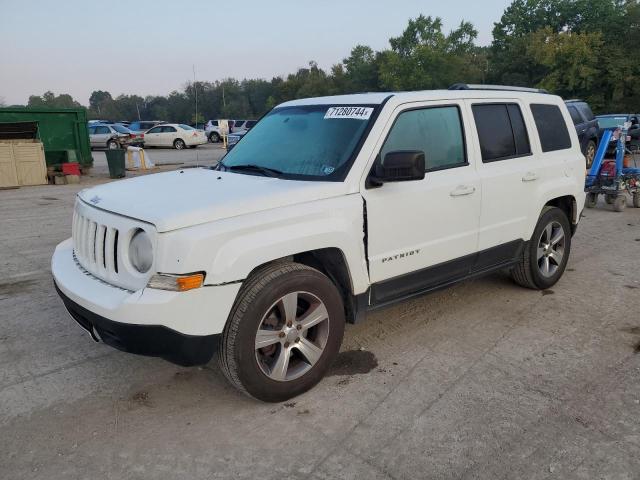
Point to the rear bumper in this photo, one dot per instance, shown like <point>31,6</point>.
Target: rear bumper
<point>150,340</point>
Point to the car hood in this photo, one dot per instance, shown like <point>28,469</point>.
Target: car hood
<point>193,196</point>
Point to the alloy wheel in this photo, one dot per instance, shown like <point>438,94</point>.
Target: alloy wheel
<point>292,336</point>
<point>551,249</point>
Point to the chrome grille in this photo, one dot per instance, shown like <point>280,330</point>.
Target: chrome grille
<point>95,246</point>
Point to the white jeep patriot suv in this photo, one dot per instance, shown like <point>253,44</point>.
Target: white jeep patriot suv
<point>327,209</point>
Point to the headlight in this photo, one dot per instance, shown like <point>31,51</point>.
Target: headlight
<point>141,251</point>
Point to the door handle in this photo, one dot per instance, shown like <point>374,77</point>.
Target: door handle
<point>461,190</point>
<point>530,177</point>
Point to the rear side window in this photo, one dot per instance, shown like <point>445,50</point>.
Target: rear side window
<point>436,131</point>
<point>575,116</point>
<point>551,126</point>
<point>501,131</point>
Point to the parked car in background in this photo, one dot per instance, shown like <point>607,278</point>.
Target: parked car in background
<point>174,135</point>
<point>215,129</point>
<point>586,128</point>
<point>113,136</point>
<point>615,120</point>
<point>234,138</point>
<point>144,125</point>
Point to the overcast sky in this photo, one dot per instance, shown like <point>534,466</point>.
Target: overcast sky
<point>148,47</point>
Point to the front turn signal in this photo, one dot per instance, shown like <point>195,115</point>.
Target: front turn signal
<point>176,283</point>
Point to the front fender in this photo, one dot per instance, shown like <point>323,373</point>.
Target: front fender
<point>228,250</point>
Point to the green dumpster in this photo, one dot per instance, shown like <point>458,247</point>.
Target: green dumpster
<point>115,160</point>
<point>62,131</point>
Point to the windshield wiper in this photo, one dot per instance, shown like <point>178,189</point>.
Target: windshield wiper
<point>266,171</point>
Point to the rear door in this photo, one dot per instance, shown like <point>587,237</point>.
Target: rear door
<point>508,170</point>
<point>424,233</point>
<point>102,135</point>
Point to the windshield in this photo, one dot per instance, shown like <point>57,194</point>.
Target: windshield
<point>611,122</point>
<point>305,142</point>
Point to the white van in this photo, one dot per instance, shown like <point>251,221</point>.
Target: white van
<point>327,209</point>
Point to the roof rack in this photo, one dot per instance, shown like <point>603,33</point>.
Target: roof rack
<point>467,86</point>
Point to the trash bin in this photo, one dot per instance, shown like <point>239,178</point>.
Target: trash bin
<point>115,160</point>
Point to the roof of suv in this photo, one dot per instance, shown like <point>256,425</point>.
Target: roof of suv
<point>379,97</point>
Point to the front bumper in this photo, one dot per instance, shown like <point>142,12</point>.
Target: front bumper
<point>149,340</point>
<point>178,326</point>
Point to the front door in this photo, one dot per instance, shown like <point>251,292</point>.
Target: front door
<point>152,137</point>
<point>424,233</point>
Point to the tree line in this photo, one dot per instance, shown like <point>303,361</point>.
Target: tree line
<point>575,48</point>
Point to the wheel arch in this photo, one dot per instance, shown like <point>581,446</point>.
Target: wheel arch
<point>569,205</point>
<point>331,262</point>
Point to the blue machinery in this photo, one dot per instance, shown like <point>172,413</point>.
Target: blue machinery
<point>612,185</point>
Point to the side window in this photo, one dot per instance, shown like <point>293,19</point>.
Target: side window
<point>551,126</point>
<point>501,131</point>
<point>103,130</point>
<point>575,116</point>
<point>154,130</point>
<point>214,123</point>
<point>92,130</point>
<point>586,111</point>
<point>168,130</point>
<point>436,131</point>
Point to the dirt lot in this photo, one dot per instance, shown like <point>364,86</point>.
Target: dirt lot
<point>483,380</point>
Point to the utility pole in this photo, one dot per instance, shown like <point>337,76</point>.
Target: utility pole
<point>195,86</point>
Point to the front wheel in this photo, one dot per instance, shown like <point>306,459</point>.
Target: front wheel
<point>283,332</point>
<point>620,203</point>
<point>179,144</point>
<point>545,257</point>
<point>591,200</point>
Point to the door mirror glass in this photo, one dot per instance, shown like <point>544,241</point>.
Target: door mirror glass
<point>400,166</point>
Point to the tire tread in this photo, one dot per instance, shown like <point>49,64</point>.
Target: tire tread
<point>256,282</point>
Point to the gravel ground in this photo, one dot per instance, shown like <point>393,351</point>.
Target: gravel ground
<point>483,380</point>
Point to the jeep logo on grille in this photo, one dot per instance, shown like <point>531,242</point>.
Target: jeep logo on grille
<point>95,200</point>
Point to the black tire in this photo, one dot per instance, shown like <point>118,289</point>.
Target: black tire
<point>214,137</point>
<point>179,144</point>
<point>237,352</point>
<point>590,152</point>
<point>591,201</point>
<point>620,203</point>
<point>609,199</point>
<point>527,272</point>
<point>636,200</point>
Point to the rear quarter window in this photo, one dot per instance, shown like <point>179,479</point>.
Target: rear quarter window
<point>551,126</point>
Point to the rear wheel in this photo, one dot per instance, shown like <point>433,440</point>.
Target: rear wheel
<point>283,332</point>
<point>179,144</point>
<point>545,257</point>
<point>591,201</point>
<point>214,137</point>
<point>636,200</point>
<point>590,152</point>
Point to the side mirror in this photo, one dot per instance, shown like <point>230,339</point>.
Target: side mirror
<point>399,166</point>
